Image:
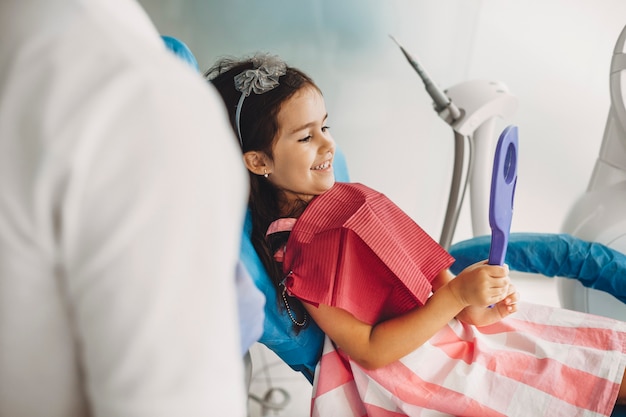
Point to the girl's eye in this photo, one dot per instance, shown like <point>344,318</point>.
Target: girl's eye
<point>306,139</point>
<point>325,128</point>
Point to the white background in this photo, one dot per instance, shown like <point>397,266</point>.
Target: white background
<point>553,55</point>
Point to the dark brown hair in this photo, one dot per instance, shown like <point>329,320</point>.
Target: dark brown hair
<point>259,127</point>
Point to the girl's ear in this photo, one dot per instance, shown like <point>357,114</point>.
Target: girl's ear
<point>256,162</point>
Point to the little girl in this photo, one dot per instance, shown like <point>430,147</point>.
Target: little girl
<point>404,337</point>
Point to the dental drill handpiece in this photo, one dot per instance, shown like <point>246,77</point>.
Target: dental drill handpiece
<point>442,101</point>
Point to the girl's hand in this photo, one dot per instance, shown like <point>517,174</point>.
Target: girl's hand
<point>481,285</point>
<point>480,316</point>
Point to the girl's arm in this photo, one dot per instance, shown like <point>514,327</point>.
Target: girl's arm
<point>374,346</point>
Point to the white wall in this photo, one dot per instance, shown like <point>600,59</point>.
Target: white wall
<point>554,56</point>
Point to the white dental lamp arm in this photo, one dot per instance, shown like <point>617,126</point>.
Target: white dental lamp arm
<point>481,103</point>
<point>471,109</point>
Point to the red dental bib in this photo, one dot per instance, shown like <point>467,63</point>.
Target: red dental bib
<point>354,249</point>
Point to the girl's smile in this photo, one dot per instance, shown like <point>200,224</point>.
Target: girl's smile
<point>323,166</point>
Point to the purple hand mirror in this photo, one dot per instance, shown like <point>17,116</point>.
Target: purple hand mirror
<point>503,180</point>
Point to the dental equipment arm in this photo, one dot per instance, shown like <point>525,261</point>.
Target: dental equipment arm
<point>471,109</point>
<point>441,100</point>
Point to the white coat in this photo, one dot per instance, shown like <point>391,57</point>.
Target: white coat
<point>122,196</point>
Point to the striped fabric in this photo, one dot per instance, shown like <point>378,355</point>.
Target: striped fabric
<point>540,361</point>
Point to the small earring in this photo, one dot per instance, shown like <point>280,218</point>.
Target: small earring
<point>265,174</point>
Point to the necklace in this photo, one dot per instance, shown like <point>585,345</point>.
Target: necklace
<point>292,316</point>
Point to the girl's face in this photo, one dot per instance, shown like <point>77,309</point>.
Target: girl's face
<point>303,148</point>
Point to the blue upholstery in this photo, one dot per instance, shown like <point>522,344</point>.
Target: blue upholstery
<point>593,264</point>
<point>181,50</point>
<point>300,351</point>
<point>619,411</point>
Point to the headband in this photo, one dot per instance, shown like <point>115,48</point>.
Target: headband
<point>263,77</point>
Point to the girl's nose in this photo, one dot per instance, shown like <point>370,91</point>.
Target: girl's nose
<point>327,140</point>
<point>329,147</point>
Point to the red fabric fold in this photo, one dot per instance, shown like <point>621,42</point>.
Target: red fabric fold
<point>354,249</point>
